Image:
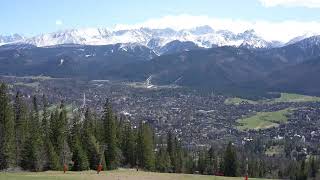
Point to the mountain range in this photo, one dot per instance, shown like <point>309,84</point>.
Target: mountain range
<point>238,64</point>
<point>155,39</point>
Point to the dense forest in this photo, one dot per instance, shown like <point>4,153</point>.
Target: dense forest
<point>36,136</point>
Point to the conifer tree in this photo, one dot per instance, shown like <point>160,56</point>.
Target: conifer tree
<point>177,156</point>
<point>202,162</point>
<point>89,141</point>
<point>119,130</point>
<point>163,163</point>
<point>210,161</point>
<point>21,128</point>
<point>145,152</point>
<point>53,126</point>
<point>301,174</point>
<point>128,145</point>
<point>60,133</point>
<point>45,117</point>
<point>33,148</point>
<point>190,165</point>
<point>230,161</point>
<point>110,138</point>
<point>171,149</point>
<point>51,158</point>
<point>79,156</point>
<point>313,170</point>
<point>7,133</point>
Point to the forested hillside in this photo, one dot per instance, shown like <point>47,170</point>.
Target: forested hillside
<point>36,137</point>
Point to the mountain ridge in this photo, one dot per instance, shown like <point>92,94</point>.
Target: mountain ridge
<point>226,68</point>
<point>202,36</point>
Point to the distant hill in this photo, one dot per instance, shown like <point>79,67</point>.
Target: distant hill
<point>229,70</point>
<point>300,78</point>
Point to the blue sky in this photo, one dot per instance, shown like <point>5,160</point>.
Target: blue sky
<point>31,17</point>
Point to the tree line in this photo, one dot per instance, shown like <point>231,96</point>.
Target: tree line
<point>35,136</point>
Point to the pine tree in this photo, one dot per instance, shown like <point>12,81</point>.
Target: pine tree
<point>90,142</point>
<point>313,170</point>
<point>21,121</point>
<point>177,156</point>
<point>33,147</point>
<point>145,143</point>
<point>110,138</point>
<point>171,150</point>
<point>230,161</point>
<point>50,156</point>
<point>128,145</point>
<point>190,165</point>
<point>119,130</point>
<point>45,117</point>
<point>210,169</point>
<point>202,162</point>
<point>93,151</point>
<point>53,126</point>
<point>88,124</point>
<point>7,132</point>
<point>79,156</point>
<point>302,175</point>
<point>163,163</point>
<point>59,133</point>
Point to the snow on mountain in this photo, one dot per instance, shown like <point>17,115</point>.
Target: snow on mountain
<point>310,42</point>
<point>10,38</point>
<point>203,36</point>
<point>89,36</point>
<point>300,38</point>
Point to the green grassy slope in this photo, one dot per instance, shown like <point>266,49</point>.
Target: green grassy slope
<point>110,175</point>
<point>285,97</point>
<point>263,120</point>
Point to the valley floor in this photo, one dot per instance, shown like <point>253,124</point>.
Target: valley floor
<point>109,175</point>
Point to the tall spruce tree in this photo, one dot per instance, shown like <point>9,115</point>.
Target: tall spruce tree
<point>314,166</point>
<point>7,133</point>
<point>128,145</point>
<point>178,156</point>
<point>190,165</point>
<point>33,148</point>
<point>202,162</point>
<point>302,174</point>
<point>50,156</point>
<point>79,155</point>
<point>163,163</point>
<point>45,117</point>
<point>145,149</point>
<point>230,161</point>
<point>21,125</point>
<point>175,152</point>
<point>211,166</point>
<point>53,126</point>
<point>89,141</point>
<point>61,134</point>
<point>110,138</point>
<point>171,150</point>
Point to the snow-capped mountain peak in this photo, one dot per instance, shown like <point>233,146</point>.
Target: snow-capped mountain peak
<point>300,38</point>
<point>313,41</point>
<point>10,38</point>
<point>203,36</point>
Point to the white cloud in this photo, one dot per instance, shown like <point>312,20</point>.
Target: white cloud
<point>187,21</point>
<point>59,22</point>
<point>281,31</point>
<point>292,3</point>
